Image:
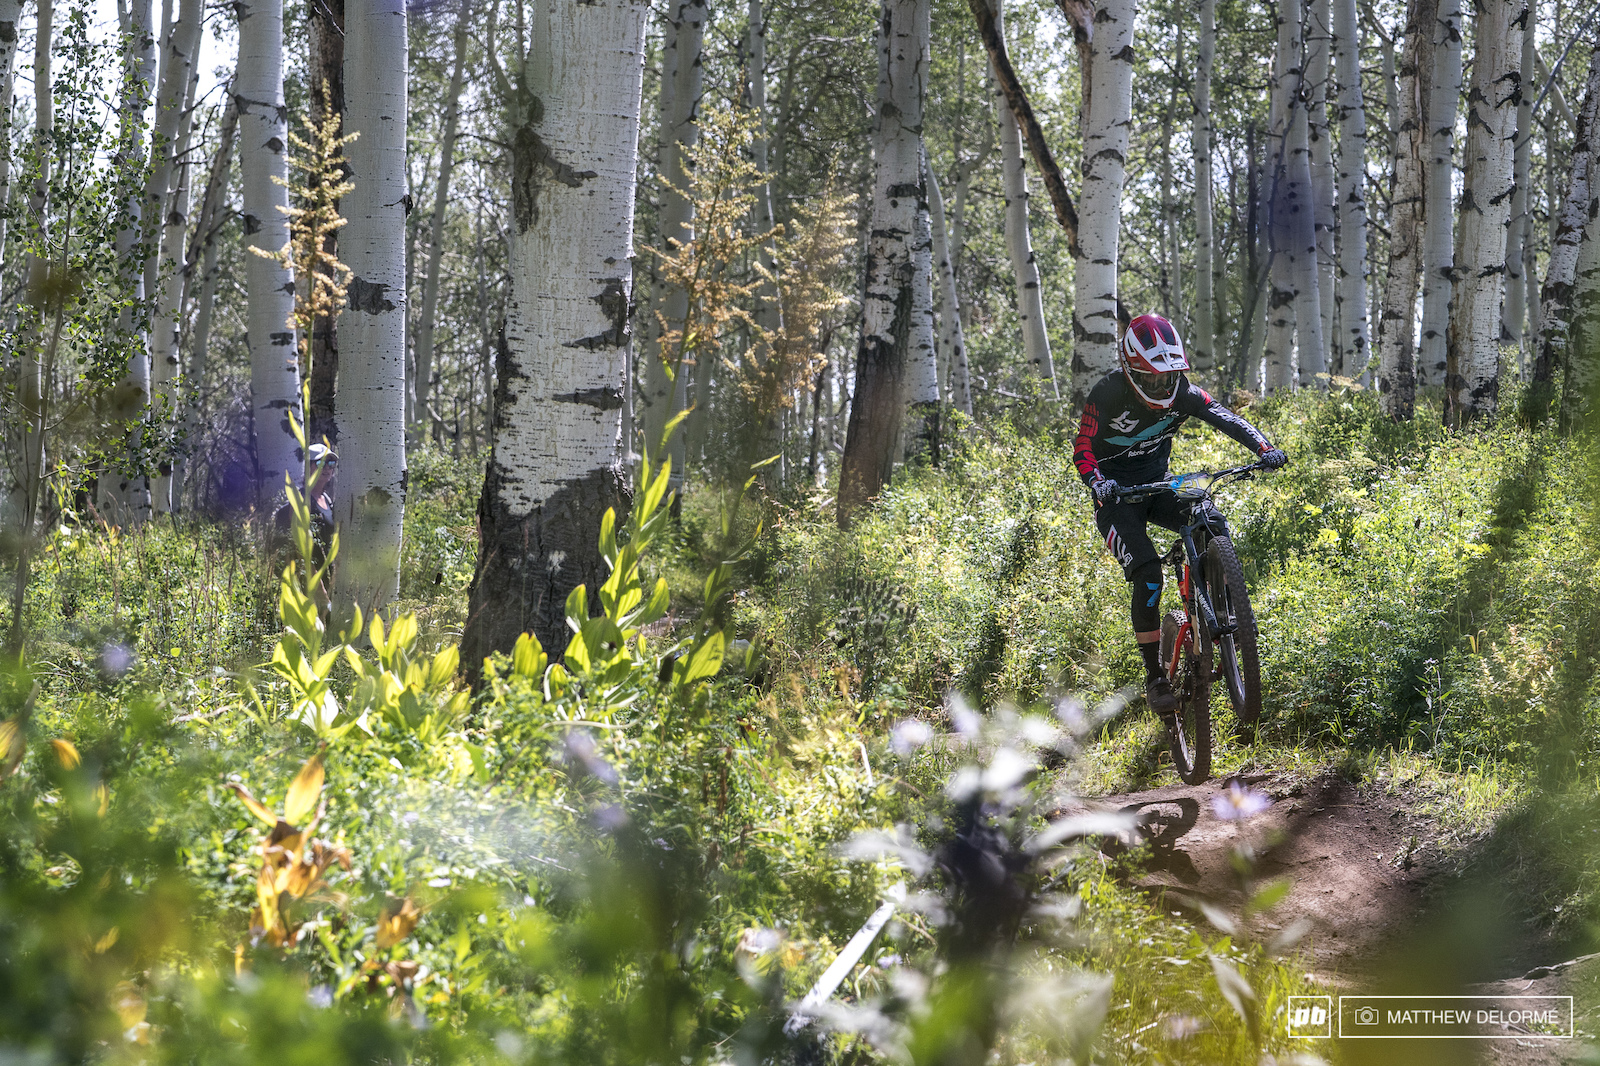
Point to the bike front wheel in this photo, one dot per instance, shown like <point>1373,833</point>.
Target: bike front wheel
<point>1189,730</point>
<point>1238,655</point>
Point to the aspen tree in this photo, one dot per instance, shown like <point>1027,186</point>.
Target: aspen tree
<point>1300,199</point>
<point>27,436</point>
<point>1277,336</point>
<point>1019,242</point>
<point>1519,234</point>
<point>201,263</point>
<point>1578,390</point>
<point>269,285</point>
<point>1569,220</point>
<point>369,509</point>
<point>441,200</point>
<point>1472,380</point>
<point>1105,153</point>
<point>1353,345</point>
<point>1438,265</point>
<point>10,13</point>
<point>1202,335</point>
<point>950,340</point>
<point>127,490</point>
<point>1319,38</point>
<point>556,458</point>
<point>326,71</point>
<point>1397,378</point>
<point>666,390</point>
<point>167,207</point>
<point>891,307</point>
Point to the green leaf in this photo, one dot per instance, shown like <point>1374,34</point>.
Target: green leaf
<point>577,608</point>
<point>608,535</point>
<point>444,666</point>
<point>1269,895</point>
<point>657,607</point>
<point>705,660</point>
<point>577,657</point>
<point>528,658</point>
<point>657,488</point>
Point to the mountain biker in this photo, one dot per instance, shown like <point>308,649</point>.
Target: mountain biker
<point>1125,436</point>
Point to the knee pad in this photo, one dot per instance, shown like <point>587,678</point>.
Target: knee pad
<point>1144,583</point>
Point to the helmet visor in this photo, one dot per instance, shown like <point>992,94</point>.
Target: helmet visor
<point>1155,386</point>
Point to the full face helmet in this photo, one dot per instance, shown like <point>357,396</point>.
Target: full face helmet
<point>1152,357</point>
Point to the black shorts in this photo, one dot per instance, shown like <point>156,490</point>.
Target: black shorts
<point>1123,526</point>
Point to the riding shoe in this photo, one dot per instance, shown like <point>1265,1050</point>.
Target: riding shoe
<point>1158,694</point>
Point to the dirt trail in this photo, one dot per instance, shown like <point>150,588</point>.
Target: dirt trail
<point>1367,876</point>
<point>1358,860</point>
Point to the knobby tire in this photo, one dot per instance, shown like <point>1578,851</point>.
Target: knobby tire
<point>1189,734</point>
<point>1238,658</point>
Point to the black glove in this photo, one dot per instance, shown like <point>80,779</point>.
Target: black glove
<point>1104,489</point>
<point>1274,459</point>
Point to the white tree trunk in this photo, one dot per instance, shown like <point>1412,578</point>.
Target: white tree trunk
<point>1472,380</point>
<point>1277,336</point>
<point>682,86</point>
<point>893,320</point>
<point>201,263</point>
<point>269,285</point>
<point>1319,37</point>
<point>1579,393</point>
<point>25,436</point>
<point>127,490</point>
<point>421,418</point>
<point>922,354</point>
<point>1202,336</point>
<point>370,505</point>
<point>10,13</point>
<point>1438,268</point>
<point>557,455</point>
<point>1019,242</point>
<point>167,201</point>
<point>1304,254</point>
<point>1520,232</point>
<point>1397,378</point>
<point>1568,225</point>
<point>951,341</point>
<point>1105,153</point>
<point>1354,342</point>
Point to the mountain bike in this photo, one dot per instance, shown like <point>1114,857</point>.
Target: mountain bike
<point>1212,635</point>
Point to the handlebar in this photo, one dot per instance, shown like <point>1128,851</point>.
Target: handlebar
<point>1195,483</point>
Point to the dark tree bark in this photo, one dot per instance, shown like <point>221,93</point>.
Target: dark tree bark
<point>1032,134</point>
<point>327,65</point>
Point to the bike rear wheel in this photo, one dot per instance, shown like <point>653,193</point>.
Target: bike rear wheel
<point>1238,654</point>
<point>1189,731</point>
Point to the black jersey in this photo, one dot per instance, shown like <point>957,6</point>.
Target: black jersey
<point>1122,438</point>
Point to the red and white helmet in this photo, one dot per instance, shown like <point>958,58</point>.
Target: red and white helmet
<point>1152,357</point>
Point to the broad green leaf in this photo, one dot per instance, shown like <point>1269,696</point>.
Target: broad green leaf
<point>375,634</point>
<point>657,489</point>
<point>577,607</point>
<point>657,607</point>
<point>528,658</point>
<point>608,534</point>
<point>403,636</point>
<point>301,798</point>
<point>444,666</point>
<point>577,656</point>
<point>706,659</point>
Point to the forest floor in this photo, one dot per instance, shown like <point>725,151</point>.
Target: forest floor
<point>1374,872</point>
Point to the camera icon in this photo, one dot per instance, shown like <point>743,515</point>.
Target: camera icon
<point>1366,1016</point>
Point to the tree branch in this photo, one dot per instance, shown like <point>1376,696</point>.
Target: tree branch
<point>1060,199</point>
